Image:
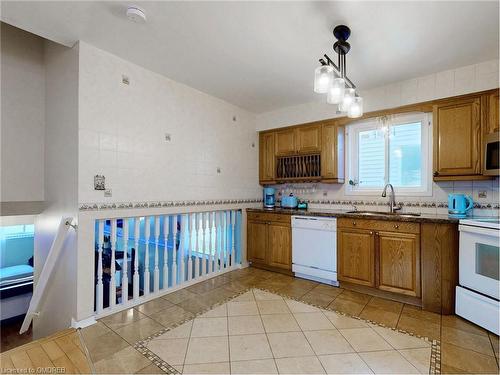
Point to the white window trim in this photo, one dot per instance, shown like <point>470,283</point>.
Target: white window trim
<point>352,159</point>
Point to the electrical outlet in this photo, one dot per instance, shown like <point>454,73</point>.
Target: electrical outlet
<point>218,170</point>
<point>108,193</point>
<point>325,193</point>
<point>482,194</point>
<point>125,80</point>
<point>168,137</point>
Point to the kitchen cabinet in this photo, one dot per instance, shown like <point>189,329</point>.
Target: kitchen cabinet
<point>303,153</point>
<point>267,158</point>
<point>398,262</point>
<point>332,153</point>
<point>492,117</point>
<point>356,256</point>
<point>381,254</point>
<point>269,241</point>
<point>308,139</point>
<point>457,139</point>
<point>285,142</point>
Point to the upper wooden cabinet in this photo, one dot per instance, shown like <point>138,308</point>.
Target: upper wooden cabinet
<point>267,158</point>
<point>332,152</point>
<point>285,142</point>
<point>309,139</point>
<point>310,152</point>
<point>492,116</point>
<point>457,139</point>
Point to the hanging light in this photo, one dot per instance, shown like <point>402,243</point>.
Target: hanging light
<point>331,78</point>
<point>336,91</point>
<point>356,108</point>
<point>323,76</point>
<point>347,100</point>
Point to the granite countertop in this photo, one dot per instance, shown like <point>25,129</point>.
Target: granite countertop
<point>422,218</point>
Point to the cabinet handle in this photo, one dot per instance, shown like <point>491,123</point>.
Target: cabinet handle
<point>396,226</point>
<point>371,233</point>
<point>353,223</point>
<point>376,233</point>
<point>436,173</point>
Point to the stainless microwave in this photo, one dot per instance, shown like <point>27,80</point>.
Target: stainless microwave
<point>491,155</point>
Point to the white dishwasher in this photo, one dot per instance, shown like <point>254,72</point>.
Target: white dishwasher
<point>314,248</point>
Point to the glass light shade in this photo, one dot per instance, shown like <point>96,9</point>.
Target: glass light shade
<point>336,91</point>
<point>348,99</point>
<point>323,76</point>
<point>356,108</point>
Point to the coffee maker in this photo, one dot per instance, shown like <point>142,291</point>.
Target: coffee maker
<point>269,199</point>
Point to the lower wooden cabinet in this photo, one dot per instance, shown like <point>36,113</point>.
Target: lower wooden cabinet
<point>269,241</point>
<point>398,262</point>
<point>356,256</point>
<point>385,257</point>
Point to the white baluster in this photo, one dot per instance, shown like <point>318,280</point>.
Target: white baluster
<point>181,248</point>
<point>197,245</point>
<point>203,243</point>
<point>99,295</point>
<point>190,245</point>
<point>112,281</point>
<point>233,238</point>
<point>125,261</point>
<point>166,229</point>
<point>137,229</point>
<point>210,242</point>
<point>224,238</point>
<point>218,241</point>
<point>156,272</point>
<point>174,250</point>
<point>147,234</point>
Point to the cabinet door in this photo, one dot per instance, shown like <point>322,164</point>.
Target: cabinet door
<point>457,138</point>
<point>257,241</point>
<point>309,139</point>
<point>493,117</point>
<point>266,158</point>
<point>356,256</point>
<point>332,152</point>
<point>285,142</point>
<point>399,263</point>
<point>279,248</point>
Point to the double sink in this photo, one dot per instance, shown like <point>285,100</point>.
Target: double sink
<point>378,213</point>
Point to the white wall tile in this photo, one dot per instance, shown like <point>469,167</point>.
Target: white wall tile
<point>131,122</point>
<point>464,80</point>
<point>426,88</point>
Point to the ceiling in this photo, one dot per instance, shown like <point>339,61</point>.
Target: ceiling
<point>261,55</point>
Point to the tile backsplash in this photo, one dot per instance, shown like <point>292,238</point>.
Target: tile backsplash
<point>484,193</point>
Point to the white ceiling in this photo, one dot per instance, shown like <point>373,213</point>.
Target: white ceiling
<point>261,55</point>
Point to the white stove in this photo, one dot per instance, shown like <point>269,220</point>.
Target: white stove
<point>478,293</point>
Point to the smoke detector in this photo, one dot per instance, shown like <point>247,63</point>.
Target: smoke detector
<point>136,14</point>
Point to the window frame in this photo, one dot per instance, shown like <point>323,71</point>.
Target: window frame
<point>352,155</point>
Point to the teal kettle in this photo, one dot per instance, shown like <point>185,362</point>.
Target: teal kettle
<point>459,205</point>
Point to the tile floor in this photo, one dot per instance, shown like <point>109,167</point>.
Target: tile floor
<point>262,332</point>
<point>465,347</point>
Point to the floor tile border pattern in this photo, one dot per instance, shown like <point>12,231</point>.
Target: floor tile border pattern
<point>141,346</point>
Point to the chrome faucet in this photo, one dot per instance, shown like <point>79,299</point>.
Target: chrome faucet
<point>392,199</point>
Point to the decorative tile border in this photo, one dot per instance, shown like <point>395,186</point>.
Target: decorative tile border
<point>157,204</point>
<point>141,346</point>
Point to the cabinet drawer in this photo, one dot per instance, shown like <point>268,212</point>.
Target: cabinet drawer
<point>379,225</point>
<point>264,216</point>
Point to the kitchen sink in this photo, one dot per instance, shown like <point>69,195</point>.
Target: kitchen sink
<point>377,213</point>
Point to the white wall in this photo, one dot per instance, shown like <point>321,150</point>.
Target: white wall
<point>464,80</point>
<point>61,187</point>
<point>23,115</point>
<point>122,135</point>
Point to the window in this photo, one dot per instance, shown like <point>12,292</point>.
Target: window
<point>392,150</point>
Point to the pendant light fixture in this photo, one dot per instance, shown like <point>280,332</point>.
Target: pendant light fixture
<point>331,78</point>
